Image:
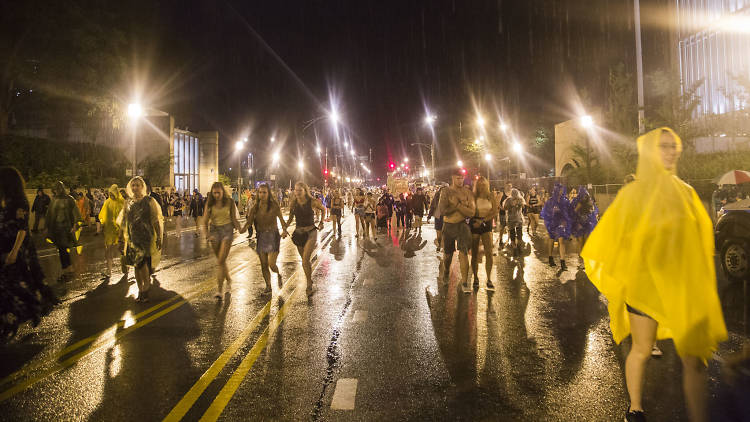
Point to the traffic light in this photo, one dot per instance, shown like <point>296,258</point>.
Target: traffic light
<point>392,166</point>
<point>325,171</point>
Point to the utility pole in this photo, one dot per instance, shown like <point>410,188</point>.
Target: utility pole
<point>639,66</point>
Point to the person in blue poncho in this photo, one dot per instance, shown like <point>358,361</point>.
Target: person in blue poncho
<point>558,217</point>
<point>585,217</point>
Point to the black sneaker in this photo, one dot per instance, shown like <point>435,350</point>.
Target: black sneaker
<point>551,262</point>
<point>562,265</point>
<point>476,283</point>
<point>635,416</point>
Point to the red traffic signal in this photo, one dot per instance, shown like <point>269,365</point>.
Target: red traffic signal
<point>392,166</point>
<point>325,171</point>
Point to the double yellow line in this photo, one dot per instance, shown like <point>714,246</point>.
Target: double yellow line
<point>104,339</point>
<point>238,375</point>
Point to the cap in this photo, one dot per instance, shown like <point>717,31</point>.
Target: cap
<point>458,171</point>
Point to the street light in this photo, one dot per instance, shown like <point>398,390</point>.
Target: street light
<point>503,127</point>
<point>480,121</point>
<point>406,160</point>
<point>460,163</point>
<point>135,110</point>
<point>273,138</point>
<point>317,149</point>
<point>587,121</point>
<point>430,120</point>
<point>517,147</point>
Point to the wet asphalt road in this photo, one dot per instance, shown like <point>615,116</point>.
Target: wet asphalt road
<point>382,338</point>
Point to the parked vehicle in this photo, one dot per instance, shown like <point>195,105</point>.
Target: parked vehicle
<point>732,235</point>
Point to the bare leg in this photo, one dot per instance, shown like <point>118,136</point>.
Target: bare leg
<point>694,380</point>
<point>143,278</point>
<point>463,260</point>
<point>265,270</point>
<point>108,252</point>
<point>487,242</point>
<point>356,223</point>
<point>306,253</point>
<point>643,332</point>
<point>561,242</point>
<point>475,256</point>
<point>550,246</point>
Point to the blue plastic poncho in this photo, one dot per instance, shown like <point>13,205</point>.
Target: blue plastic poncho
<point>557,214</point>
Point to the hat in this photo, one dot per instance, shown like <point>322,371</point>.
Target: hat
<point>458,171</point>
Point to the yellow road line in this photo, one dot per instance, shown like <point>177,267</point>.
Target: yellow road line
<point>99,346</point>
<point>108,331</point>
<point>227,392</point>
<point>184,405</point>
<point>108,337</point>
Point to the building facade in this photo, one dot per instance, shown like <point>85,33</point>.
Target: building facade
<point>714,51</point>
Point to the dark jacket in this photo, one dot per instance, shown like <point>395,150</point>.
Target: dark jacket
<point>41,203</point>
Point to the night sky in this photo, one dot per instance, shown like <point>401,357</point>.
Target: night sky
<point>263,68</point>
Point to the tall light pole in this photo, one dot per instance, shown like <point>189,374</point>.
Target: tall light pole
<point>135,111</point>
<point>639,66</point>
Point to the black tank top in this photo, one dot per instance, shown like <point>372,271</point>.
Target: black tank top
<point>304,214</point>
<point>533,200</point>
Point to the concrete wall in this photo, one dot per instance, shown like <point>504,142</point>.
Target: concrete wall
<point>209,159</point>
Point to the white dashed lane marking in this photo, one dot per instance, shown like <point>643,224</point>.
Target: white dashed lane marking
<point>346,392</point>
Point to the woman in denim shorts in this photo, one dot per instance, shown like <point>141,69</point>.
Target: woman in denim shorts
<point>264,213</point>
<point>221,215</point>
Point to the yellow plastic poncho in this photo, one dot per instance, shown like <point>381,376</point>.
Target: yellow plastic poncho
<point>109,213</point>
<point>654,250</point>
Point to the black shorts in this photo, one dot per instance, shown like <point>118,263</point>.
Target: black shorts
<point>438,223</point>
<point>336,212</point>
<point>632,310</point>
<point>484,227</point>
<point>370,215</point>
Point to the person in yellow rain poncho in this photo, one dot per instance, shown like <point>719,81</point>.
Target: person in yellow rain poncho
<point>64,223</point>
<point>652,256</point>
<point>108,217</point>
<point>142,227</point>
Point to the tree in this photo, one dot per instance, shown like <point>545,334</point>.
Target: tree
<point>59,61</point>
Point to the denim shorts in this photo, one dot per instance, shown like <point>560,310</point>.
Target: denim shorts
<point>220,233</point>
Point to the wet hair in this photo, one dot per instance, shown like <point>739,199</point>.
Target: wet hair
<point>475,189</point>
<point>12,189</point>
<point>271,199</point>
<point>225,198</point>
<point>304,187</point>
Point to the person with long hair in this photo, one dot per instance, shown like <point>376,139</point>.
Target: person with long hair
<point>64,221</point>
<point>221,216</point>
<point>652,256</point>
<point>39,208</point>
<point>23,294</point>
<point>481,229</point>
<point>108,217</point>
<point>358,208</point>
<point>303,208</point>
<point>534,208</point>
<point>557,219</point>
<point>371,205</point>
<point>142,226</point>
<point>263,215</point>
<point>337,207</point>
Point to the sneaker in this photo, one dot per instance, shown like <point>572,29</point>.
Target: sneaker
<point>635,416</point>
<point>466,287</point>
<point>552,262</point>
<point>562,265</point>
<point>656,351</point>
<point>490,286</point>
<point>476,283</point>
<point>144,297</point>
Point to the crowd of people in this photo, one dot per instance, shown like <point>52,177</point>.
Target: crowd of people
<point>662,244</point>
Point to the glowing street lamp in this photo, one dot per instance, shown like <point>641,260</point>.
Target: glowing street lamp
<point>334,116</point>
<point>135,110</point>
<point>503,127</point>
<point>476,141</point>
<point>480,121</point>
<point>430,120</point>
<point>488,157</point>
<point>460,163</point>
<point>406,160</point>
<point>587,121</point>
<point>273,139</point>
<point>517,147</point>
<point>317,149</point>
<point>276,157</point>
<point>301,165</point>
<point>238,145</point>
